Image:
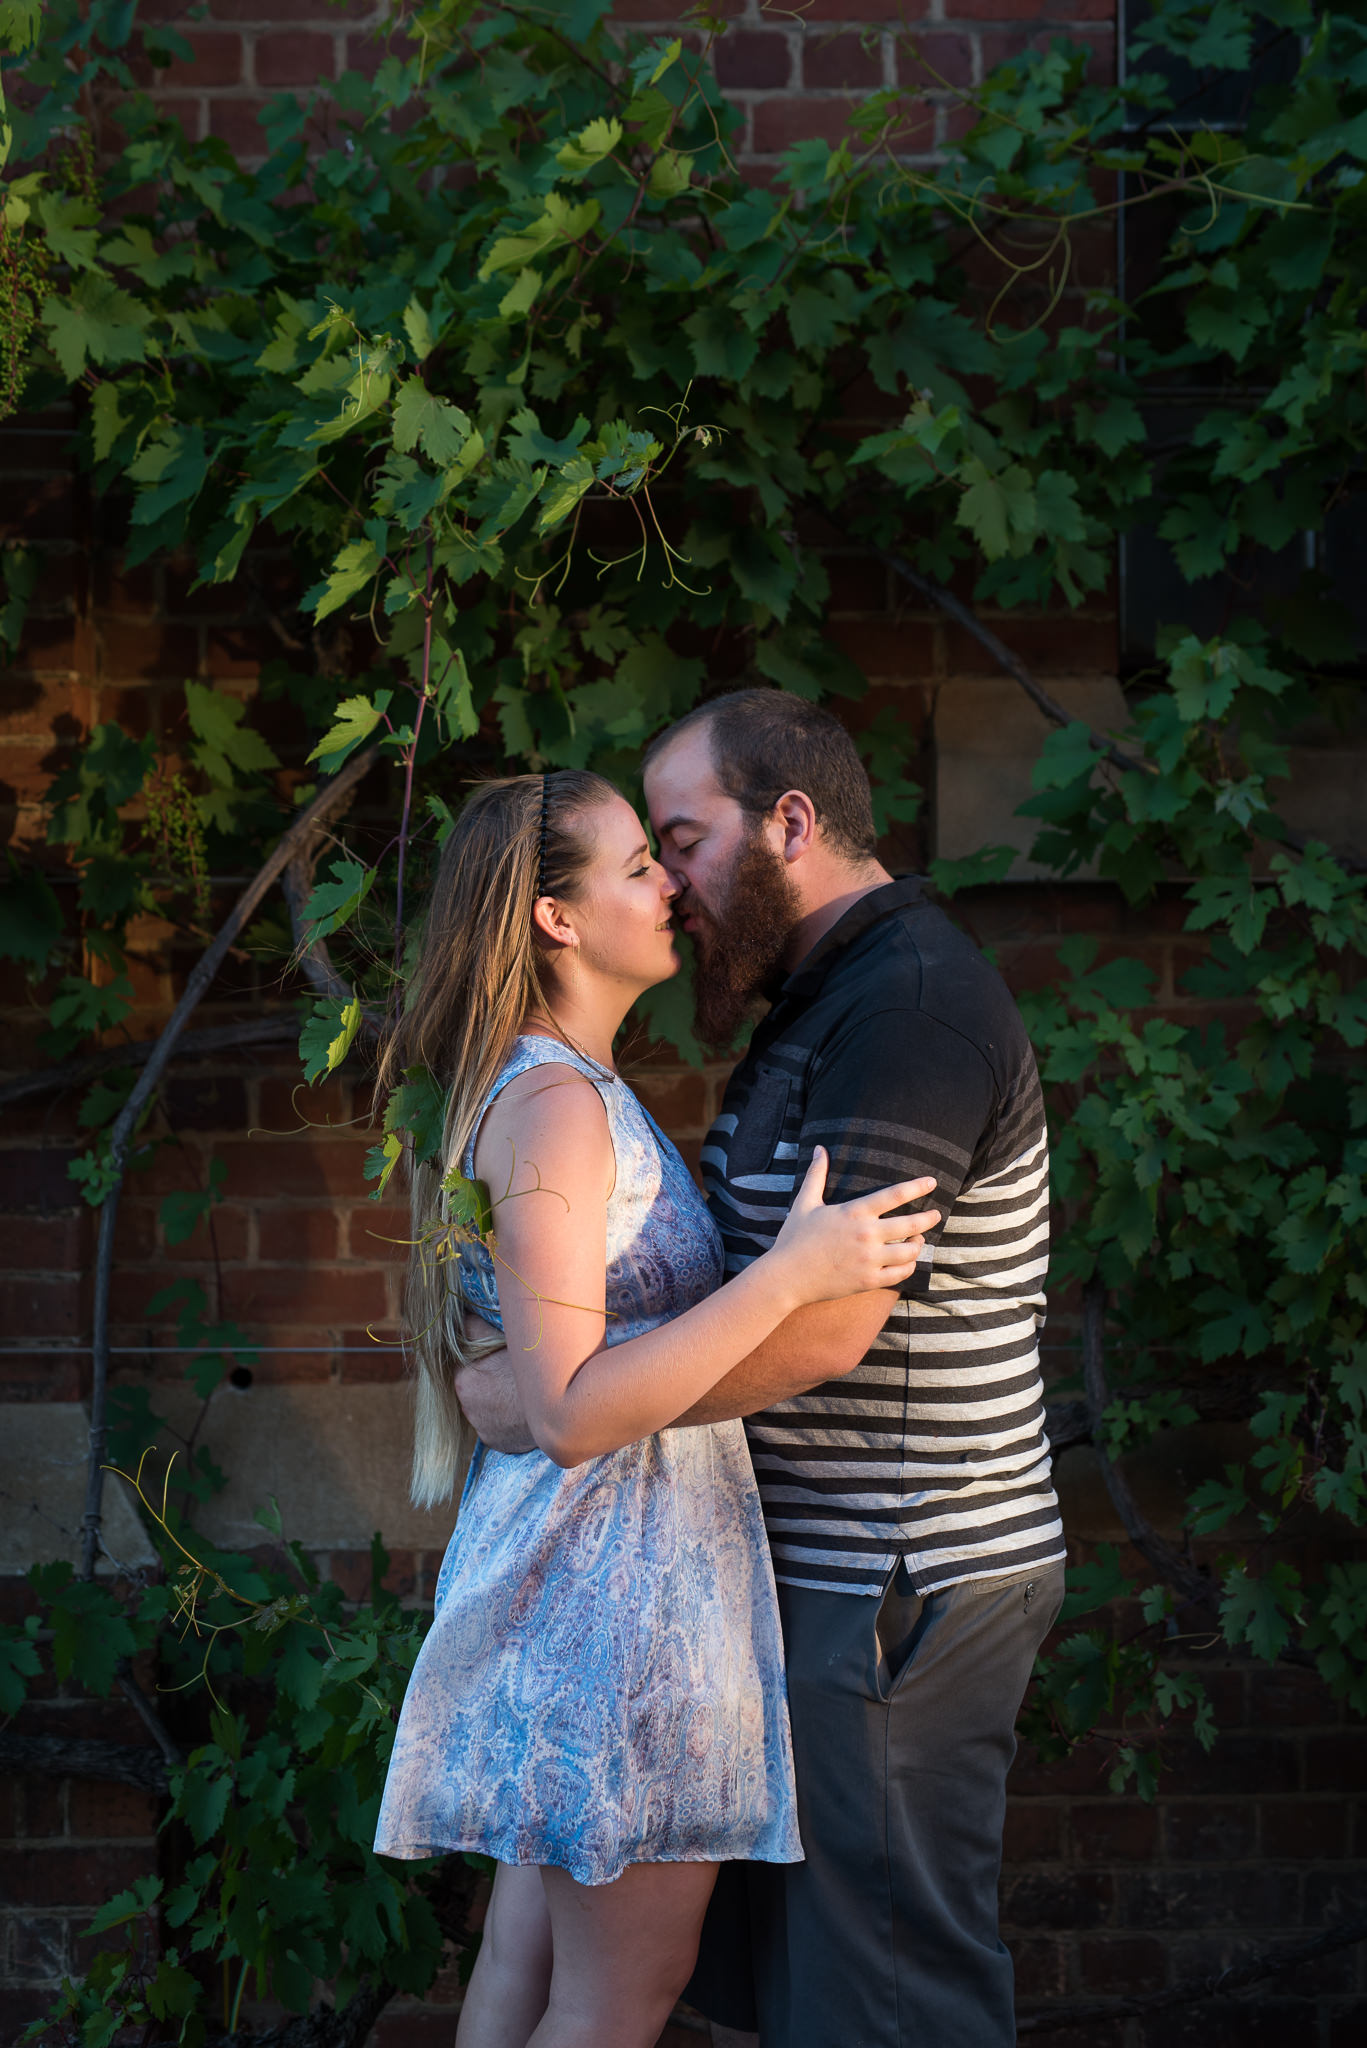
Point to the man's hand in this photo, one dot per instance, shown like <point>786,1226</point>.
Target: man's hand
<point>488,1394</point>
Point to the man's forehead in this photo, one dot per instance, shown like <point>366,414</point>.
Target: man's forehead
<point>681,783</point>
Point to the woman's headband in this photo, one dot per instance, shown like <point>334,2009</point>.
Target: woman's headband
<point>541,857</point>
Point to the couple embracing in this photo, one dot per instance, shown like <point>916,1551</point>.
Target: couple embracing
<point>733,1717</point>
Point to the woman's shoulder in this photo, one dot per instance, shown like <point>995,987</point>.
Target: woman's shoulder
<point>548,1093</point>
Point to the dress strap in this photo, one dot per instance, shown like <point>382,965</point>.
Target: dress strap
<point>535,1049</point>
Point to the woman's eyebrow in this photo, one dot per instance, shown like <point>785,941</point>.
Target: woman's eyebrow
<point>642,848</point>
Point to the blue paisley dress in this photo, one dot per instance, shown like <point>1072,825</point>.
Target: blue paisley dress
<point>603,1680</point>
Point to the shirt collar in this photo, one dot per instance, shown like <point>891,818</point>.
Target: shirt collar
<point>859,919</point>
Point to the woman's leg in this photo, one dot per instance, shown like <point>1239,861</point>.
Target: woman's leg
<point>623,1953</point>
<point>509,1985</point>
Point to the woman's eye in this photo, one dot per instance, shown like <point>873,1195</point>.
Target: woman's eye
<point>636,874</point>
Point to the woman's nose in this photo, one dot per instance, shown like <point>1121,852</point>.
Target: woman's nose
<point>669,888</point>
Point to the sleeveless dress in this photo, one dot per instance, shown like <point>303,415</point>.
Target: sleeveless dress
<point>603,1680</point>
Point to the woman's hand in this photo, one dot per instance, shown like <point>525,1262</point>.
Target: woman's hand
<point>830,1250</point>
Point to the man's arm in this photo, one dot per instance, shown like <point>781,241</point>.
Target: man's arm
<point>821,1342</point>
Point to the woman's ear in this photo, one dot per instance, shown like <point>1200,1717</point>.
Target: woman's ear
<point>551,925</point>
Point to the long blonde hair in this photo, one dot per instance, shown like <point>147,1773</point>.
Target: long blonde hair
<point>478,978</point>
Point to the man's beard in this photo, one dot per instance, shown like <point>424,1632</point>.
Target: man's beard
<point>741,948</point>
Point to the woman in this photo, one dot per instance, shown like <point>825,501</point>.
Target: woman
<point>599,1704</point>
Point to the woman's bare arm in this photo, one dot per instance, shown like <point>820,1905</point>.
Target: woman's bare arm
<point>547,1138</point>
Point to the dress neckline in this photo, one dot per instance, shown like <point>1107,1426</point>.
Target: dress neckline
<point>563,1045</point>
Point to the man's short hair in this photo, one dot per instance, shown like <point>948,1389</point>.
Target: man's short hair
<point>764,742</point>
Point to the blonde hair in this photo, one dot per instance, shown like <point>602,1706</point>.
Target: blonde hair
<point>478,978</point>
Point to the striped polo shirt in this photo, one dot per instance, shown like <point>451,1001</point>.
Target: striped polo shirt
<point>897,1047</point>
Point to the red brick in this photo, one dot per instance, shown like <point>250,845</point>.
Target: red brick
<point>278,1294</point>
<point>1304,1829</point>
<point>296,58</point>
<point>676,1100</point>
<point>217,61</point>
<point>1209,1831</point>
<point>19,2009</point>
<point>38,1244</point>
<point>1033,1833</point>
<point>1004,10</point>
<point>1114,1831</point>
<point>100,1811</point>
<point>863,10</point>
<point>845,62</point>
<point>1121,1963</point>
<point>416,2026</point>
<point>222,1237</point>
<point>151,649</point>
<point>40,1308</point>
<point>205,1102</point>
<point>38,1807</point>
<point>1337,1763</point>
<point>298,1236</point>
<point>753,58</point>
<point>932,62</point>
<point>778,123</point>
<point>385,1365</point>
<point>886,648</point>
<point>72,1874</point>
<point>237,122</point>
<point>1291,1699</point>
<point>285,1105</point>
<point>286,10</point>
<point>130,1296</point>
<point>230,655</point>
<point>1070,646</point>
<point>299,1166</point>
<point>670,11</point>
<point>54,1376</point>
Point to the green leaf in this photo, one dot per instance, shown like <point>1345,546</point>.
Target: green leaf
<point>1261,1611</point>
<point>723,345</point>
<point>328,1035</point>
<point>224,742</point>
<point>90,1632</point>
<point>95,323</point>
<point>18,1660</point>
<point>140,1897</point>
<point>356,564</point>
<point>356,719</point>
<point>599,139</point>
<point>332,903</point>
<point>999,510</point>
<point>30,917</point>
<point>422,419</point>
<point>201,1793</point>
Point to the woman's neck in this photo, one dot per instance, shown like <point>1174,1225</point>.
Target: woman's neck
<point>588,1025</point>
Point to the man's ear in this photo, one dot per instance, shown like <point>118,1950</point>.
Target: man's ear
<point>796,813</point>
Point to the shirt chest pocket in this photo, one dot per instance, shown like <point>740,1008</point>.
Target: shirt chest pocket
<point>759,1128</point>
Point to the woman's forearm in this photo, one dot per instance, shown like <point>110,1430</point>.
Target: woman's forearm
<point>626,1391</point>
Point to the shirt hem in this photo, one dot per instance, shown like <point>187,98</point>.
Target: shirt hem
<point>866,1588</point>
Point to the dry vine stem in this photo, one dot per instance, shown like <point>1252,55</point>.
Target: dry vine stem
<point>328,798</point>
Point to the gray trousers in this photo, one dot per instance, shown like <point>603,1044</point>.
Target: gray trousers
<point>903,1713</point>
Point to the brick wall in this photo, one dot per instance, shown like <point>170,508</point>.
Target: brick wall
<point>1102,1895</point>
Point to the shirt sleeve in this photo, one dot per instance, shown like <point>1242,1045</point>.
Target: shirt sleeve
<point>899,1095</point>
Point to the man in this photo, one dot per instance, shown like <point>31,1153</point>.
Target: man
<point>898,1442</point>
